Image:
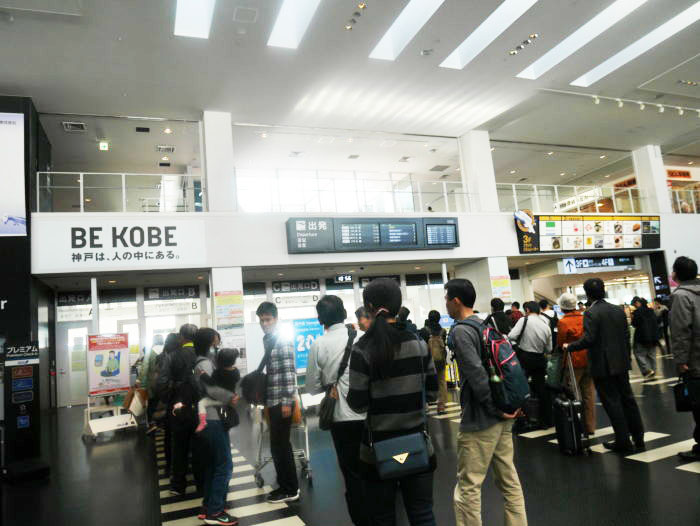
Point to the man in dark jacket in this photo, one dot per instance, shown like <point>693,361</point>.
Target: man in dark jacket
<point>498,319</point>
<point>606,335</point>
<point>645,337</point>
<point>685,336</point>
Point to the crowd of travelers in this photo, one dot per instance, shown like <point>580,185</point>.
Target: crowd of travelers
<point>380,373</point>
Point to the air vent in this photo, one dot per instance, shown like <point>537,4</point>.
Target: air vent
<point>142,129</point>
<point>245,15</point>
<point>164,164</point>
<point>404,159</point>
<point>165,148</point>
<point>74,127</point>
<point>353,156</point>
<point>439,167</point>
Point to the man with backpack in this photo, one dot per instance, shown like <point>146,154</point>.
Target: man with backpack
<point>685,338</point>
<point>485,432</point>
<point>550,317</point>
<point>498,319</point>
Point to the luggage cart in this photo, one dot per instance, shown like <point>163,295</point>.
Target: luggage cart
<point>262,429</point>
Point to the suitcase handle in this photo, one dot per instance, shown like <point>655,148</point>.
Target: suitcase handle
<point>572,376</point>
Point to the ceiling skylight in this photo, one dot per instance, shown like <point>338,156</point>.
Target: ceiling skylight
<point>413,17</point>
<point>579,38</point>
<point>641,46</point>
<point>292,22</point>
<point>489,30</point>
<point>193,18</point>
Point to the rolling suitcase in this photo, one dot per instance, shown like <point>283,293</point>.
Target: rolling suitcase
<point>568,419</point>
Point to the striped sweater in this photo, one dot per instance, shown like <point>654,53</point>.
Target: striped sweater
<point>394,404</point>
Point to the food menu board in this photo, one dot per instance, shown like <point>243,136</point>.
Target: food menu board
<point>312,235</point>
<point>571,233</point>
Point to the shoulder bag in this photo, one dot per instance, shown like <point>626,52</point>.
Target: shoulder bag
<point>516,345</point>
<point>254,385</point>
<point>404,455</point>
<point>327,408</point>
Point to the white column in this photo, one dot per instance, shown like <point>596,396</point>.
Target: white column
<point>219,165</point>
<point>478,176</point>
<point>227,309</point>
<point>141,317</point>
<point>490,279</point>
<point>95,323</point>
<point>356,292</point>
<point>650,173</point>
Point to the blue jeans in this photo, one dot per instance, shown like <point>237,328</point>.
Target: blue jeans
<point>218,466</point>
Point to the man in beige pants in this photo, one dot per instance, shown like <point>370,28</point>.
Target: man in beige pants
<point>485,433</point>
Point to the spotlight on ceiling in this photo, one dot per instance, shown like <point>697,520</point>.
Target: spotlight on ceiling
<point>642,106</point>
<point>620,104</point>
<point>596,100</point>
<point>661,108</point>
<point>680,111</point>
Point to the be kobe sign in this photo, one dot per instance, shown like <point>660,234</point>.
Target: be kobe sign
<point>106,244</point>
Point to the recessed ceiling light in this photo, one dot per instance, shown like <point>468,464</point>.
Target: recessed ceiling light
<point>620,104</point>
<point>608,176</point>
<point>641,46</point>
<point>193,18</point>
<point>596,100</point>
<point>512,172</point>
<point>661,108</point>
<point>680,111</point>
<point>413,17</point>
<point>603,156</point>
<point>562,174</point>
<point>168,131</point>
<point>642,106</point>
<point>579,38</point>
<point>280,273</point>
<point>550,153</point>
<point>292,22</point>
<point>417,268</point>
<point>489,30</point>
<point>88,200</point>
<point>347,27</point>
<point>263,135</point>
<point>362,5</point>
<point>690,163</point>
<point>112,281</point>
<point>493,148</point>
<point>166,158</point>
<point>200,277</point>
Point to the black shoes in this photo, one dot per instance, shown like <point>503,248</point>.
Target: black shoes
<point>279,495</point>
<point>619,448</point>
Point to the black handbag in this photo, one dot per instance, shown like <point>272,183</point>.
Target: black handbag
<point>404,455</point>
<point>687,394</point>
<point>254,385</point>
<point>327,407</point>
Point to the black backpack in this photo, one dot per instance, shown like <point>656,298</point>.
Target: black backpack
<point>254,385</point>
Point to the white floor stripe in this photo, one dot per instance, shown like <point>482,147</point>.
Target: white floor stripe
<point>161,463</point>
<point>287,521</point>
<point>239,459</point>
<point>235,481</point>
<point>648,437</point>
<point>599,433</point>
<point>232,496</point>
<point>693,467</point>
<point>244,511</point>
<point>661,453</point>
<point>160,455</point>
<point>456,420</point>
<point>539,433</point>
<point>661,382</point>
<point>448,414</point>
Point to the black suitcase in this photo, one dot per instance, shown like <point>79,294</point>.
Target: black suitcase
<point>568,420</point>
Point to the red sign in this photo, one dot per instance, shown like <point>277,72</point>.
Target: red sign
<point>107,342</point>
<point>22,372</point>
<point>627,183</point>
<point>679,174</point>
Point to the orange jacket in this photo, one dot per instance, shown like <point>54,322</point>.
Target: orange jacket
<point>570,329</point>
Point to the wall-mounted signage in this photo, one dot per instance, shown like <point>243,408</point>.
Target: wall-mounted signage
<point>659,273</point>
<point>343,278</point>
<point>366,281</point>
<point>171,293</point>
<point>627,183</point>
<point>571,233</point>
<point>13,217</point>
<point>316,235</point>
<point>70,299</point>
<point>296,285</point>
<point>305,333</point>
<point>106,244</point>
<point>21,399</point>
<point>576,265</point>
<point>679,174</point>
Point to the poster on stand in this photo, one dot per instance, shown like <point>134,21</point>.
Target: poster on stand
<point>305,333</point>
<point>228,307</point>
<point>13,216</point>
<point>108,363</point>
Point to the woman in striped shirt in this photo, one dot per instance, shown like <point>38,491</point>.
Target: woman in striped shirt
<point>390,368</point>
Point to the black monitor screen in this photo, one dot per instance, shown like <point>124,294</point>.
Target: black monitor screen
<point>441,234</point>
<point>359,234</point>
<point>404,234</point>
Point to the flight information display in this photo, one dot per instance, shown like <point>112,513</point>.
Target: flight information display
<point>399,234</point>
<point>441,234</point>
<point>313,235</point>
<point>360,234</point>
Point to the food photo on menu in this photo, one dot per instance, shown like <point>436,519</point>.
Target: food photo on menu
<point>633,227</point>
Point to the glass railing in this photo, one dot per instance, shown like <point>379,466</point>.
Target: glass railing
<point>551,199</point>
<point>317,192</point>
<point>118,192</point>
<point>685,201</point>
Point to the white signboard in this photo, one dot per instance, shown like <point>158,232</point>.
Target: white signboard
<point>569,265</point>
<point>13,218</point>
<point>96,244</point>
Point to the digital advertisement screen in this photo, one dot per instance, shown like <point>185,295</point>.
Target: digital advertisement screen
<point>13,217</point>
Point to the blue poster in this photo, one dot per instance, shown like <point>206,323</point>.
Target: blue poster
<point>23,384</point>
<point>305,332</point>
<point>22,422</point>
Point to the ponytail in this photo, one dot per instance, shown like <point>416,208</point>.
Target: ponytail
<point>382,297</point>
